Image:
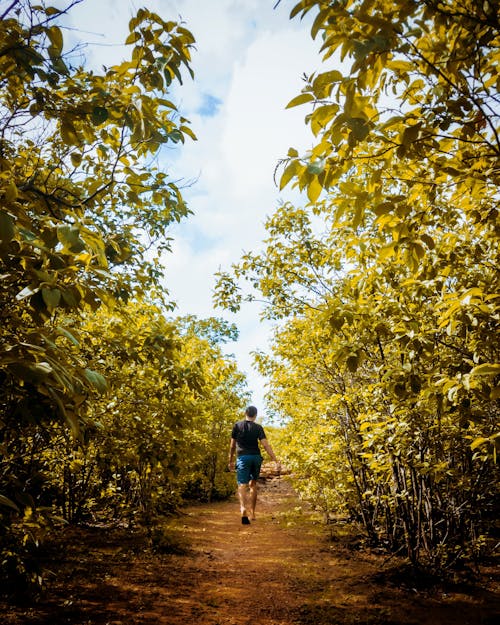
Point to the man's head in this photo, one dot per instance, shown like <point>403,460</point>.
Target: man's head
<point>251,412</point>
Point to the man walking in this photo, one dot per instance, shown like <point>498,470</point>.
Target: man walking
<point>245,439</point>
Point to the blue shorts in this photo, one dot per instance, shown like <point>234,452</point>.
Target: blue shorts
<point>248,468</point>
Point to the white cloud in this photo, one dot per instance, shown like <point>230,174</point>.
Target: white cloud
<point>250,58</point>
<point>235,158</point>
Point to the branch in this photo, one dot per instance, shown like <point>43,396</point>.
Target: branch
<point>458,89</point>
<point>488,21</point>
<point>2,17</point>
<point>455,348</point>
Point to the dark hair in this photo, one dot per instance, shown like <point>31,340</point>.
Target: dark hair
<point>251,412</point>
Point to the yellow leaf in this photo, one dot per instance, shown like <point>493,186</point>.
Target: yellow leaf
<point>11,192</point>
<point>56,39</point>
<point>291,170</point>
<point>187,131</point>
<point>132,38</point>
<point>68,133</point>
<point>488,368</point>
<point>478,442</point>
<point>76,159</point>
<point>300,99</point>
<point>314,189</point>
<point>388,251</point>
<point>495,393</point>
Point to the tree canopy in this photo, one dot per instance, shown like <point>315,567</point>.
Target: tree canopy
<point>84,208</point>
<point>386,283</point>
<point>110,409</point>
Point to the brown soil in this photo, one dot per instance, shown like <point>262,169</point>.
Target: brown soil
<point>283,569</point>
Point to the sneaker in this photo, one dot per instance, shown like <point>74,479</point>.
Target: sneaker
<point>245,520</point>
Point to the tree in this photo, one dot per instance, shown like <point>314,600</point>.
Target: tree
<point>392,308</point>
<point>432,146</point>
<point>157,437</point>
<point>160,434</point>
<point>84,208</point>
<point>425,163</point>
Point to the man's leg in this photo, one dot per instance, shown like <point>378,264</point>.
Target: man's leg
<point>243,467</point>
<point>243,497</point>
<point>253,487</point>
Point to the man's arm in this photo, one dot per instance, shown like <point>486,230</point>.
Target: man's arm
<point>269,449</point>
<point>232,450</point>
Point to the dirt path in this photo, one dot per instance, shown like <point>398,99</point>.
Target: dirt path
<point>280,570</point>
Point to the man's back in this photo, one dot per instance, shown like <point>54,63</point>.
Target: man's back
<point>247,435</point>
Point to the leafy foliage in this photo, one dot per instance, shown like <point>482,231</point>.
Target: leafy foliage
<point>108,410</point>
<point>156,437</point>
<point>387,281</point>
<point>81,203</point>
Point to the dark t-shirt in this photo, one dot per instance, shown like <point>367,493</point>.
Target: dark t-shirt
<point>247,435</point>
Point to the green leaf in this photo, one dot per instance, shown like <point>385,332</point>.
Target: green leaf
<point>175,136</point>
<point>56,39</point>
<point>97,380</point>
<point>51,297</point>
<point>70,238</point>
<point>415,383</point>
<point>69,134</point>
<point>360,127</point>
<point>316,167</point>
<point>6,227</point>
<point>352,362</point>
<point>418,250</point>
<point>410,134</point>
<point>99,115</point>
<point>63,332</point>
<point>5,501</point>
<point>383,208</point>
<point>59,65</point>
<point>337,321</point>
<point>428,240</point>
<point>71,296</point>
<point>76,159</point>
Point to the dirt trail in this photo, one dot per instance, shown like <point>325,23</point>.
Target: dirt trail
<point>281,570</point>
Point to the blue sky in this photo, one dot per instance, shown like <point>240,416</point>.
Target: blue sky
<point>209,106</point>
<point>248,65</point>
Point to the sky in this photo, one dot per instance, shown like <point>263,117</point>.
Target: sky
<point>248,64</point>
